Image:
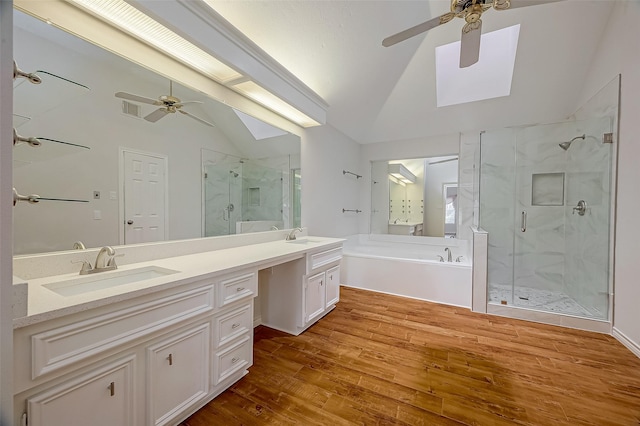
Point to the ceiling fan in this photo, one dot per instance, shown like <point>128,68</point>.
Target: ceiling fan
<point>168,104</point>
<point>470,11</point>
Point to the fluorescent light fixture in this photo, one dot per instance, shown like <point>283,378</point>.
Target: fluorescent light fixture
<point>253,91</point>
<point>132,21</point>
<point>401,173</point>
<point>397,181</point>
<point>489,78</point>
<point>259,129</point>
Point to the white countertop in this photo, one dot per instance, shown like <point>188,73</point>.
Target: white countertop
<point>44,304</point>
<point>405,223</point>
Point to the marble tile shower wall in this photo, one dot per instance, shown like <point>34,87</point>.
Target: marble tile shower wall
<point>497,188</point>
<point>587,237</point>
<point>264,190</point>
<point>467,211</point>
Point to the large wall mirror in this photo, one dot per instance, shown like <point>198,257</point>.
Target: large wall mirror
<point>116,170</point>
<point>415,197</point>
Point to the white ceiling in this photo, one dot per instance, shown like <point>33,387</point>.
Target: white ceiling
<point>387,94</point>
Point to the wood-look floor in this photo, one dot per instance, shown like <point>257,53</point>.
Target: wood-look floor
<point>378,359</point>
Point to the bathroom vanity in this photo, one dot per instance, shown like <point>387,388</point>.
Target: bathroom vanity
<point>152,342</point>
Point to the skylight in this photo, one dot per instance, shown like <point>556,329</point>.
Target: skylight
<point>489,78</point>
<point>259,129</point>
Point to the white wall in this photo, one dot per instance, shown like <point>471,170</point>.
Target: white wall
<point>619,54</point>
<point>326,152</point>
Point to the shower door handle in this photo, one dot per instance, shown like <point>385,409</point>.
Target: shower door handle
<point>523,223</point>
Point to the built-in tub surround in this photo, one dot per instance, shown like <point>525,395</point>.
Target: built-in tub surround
<point>399,265</point>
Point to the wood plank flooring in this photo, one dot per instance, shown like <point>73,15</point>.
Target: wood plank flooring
<point>378,359</point>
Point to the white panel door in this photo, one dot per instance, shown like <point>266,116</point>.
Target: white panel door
<point>145,196</point>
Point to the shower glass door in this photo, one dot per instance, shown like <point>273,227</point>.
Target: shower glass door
<point>552,254</point>
<point>222,198</point>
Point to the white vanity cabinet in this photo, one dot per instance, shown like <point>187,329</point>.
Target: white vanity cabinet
<point>149,360</point>
<point>314,297</point>
<point>333,286</point>
<point>296,294</point>
<point>104,397</point>
<point>177,373</point>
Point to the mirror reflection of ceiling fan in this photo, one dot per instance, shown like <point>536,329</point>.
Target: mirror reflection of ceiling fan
<point>470,11</point>
<point>168,104</point>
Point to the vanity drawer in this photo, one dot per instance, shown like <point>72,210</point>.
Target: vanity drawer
<point>317,260</point>
<point>237,287</point>
<point>233,359</point>
<point>233,324</point>
<point>63,346</point>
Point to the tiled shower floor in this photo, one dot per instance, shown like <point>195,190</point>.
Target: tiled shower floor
<point>543,300</point>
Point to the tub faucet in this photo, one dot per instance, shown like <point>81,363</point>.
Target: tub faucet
<point>105,260</point>
<point>292,234</point>
<point>448,250</point>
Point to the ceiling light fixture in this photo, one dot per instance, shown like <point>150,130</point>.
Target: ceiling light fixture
<point>401,173</point>
<point>137,24</point>
<point>130,20</point>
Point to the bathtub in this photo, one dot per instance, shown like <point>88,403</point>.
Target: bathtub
<point>408,266</point>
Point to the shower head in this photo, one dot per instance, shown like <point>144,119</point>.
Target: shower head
<point>566,145</point>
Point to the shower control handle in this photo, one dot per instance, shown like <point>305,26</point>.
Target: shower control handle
<point>523,224</point>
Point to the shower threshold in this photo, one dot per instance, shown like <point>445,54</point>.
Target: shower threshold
<point>542,300</point>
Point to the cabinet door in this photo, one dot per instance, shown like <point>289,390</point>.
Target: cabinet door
<point>102,397</point>
<point>333,285</point>
<point>177,373</point>
<point>314,297</point>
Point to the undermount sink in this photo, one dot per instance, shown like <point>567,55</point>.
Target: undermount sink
<point>303,240</point>
<point>103,280</point>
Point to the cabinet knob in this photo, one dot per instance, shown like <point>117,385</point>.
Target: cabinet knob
<point>112,388</point>
<point>236,325</point>
<point>234,360</point>
<point>129,222</point>
<point>170,358</point>
<point>239,289</point>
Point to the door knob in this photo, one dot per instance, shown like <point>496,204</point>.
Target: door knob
<point>129,222</point>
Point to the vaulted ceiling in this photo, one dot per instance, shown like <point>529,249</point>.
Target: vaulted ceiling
<point>387,94</point>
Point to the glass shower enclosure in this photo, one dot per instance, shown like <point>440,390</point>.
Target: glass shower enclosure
<point>246,195</point>
<point>546,202</point>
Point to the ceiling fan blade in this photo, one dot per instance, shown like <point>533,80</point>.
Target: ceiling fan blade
<point>418,29</point>
<point>196,118</point>
<point>136,98</point>
<point>514,4</point>
<point>470,43</point>
<point>157,115</point>
<point>190,102</point>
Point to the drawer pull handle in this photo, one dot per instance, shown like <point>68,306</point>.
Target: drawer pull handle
<point>234,360</point>
<point>170,358</point>
<point>112,388</point>
<point>239,288</point>
<point>236,325</point>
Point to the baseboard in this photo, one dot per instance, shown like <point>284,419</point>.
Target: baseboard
<point>630,344</point>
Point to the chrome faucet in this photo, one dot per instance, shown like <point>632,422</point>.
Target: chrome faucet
<point>448,250</point>
<point>396,221</point>
<point>292,234</point>
<point>105,260</point>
